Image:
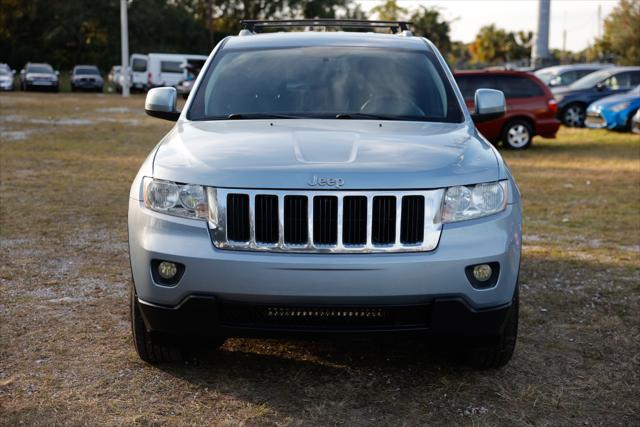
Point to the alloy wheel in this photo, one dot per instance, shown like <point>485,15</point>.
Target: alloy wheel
<point>518,136</point>
<point>574,116</point>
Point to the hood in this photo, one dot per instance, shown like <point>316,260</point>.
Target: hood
<point>296,153</point>
<point>41,76</point>
<point>566,90</point>
<point>615,99</point>
<point>87,76</point>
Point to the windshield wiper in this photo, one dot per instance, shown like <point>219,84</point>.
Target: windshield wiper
<point>356,116</point>
<point>249,116</point>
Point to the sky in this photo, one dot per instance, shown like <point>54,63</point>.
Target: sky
<point>578,17</point>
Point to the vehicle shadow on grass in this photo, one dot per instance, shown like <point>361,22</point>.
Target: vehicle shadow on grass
<point>290,375</point>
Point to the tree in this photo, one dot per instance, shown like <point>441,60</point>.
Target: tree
<point>494,45</point>
<point>427,22</point>
<point>621,37</point>
<point>390,11</point>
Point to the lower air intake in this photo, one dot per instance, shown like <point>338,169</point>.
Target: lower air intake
<point>325,318</point>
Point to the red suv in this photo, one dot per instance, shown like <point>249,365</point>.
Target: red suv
<point>531,108</point>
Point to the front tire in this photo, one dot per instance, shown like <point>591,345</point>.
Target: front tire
<point>573,115</point>
<point>148,347</point>
<point>517,135</point>
<point>499,354</point>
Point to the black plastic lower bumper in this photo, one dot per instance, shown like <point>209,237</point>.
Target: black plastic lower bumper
<point>207,317</point>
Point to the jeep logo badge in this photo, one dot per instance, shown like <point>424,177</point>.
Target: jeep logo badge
<point>325,182</point>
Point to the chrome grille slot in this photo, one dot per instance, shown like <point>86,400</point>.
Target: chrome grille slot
<point>238,217</point>
<point>384,220</point>
<point>266,218</point>
<point>354,222</point>
<point>412,230</point>
<point>325,221</point>
<point>296,220</point>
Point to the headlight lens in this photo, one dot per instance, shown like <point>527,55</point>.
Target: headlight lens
<point>619,107</point>
<point>184,200</point>
<point>468,202</point>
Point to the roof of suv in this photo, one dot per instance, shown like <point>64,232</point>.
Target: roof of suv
<point>334,38</point>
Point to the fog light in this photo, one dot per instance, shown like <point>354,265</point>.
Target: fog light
<point>482,272</point>
<point>167,270</point>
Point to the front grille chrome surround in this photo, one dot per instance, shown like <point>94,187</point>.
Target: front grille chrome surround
<point>432,226</point>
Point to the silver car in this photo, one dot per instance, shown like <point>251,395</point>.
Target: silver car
<point>325,183</point>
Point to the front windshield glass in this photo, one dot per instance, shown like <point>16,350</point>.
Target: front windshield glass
<point>326,82</point>
<point>44,69</point>
<point>590,80</point>
<point>4,72</point>
<point>88,70</point>
<point>545,76</point>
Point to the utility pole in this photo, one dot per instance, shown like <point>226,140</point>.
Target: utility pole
<point>210,22</point>
<point>599,21</point>
<point>540,51</point>
<point>124,39</point>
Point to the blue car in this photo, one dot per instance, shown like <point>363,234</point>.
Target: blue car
<point>614,112</point>
<point>574,99</point>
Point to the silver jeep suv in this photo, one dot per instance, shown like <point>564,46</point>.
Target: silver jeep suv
<point>324,183</point>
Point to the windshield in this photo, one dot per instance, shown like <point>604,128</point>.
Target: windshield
<point>326,82</point>
<point>44,69</point>
<point>4,72</point>
<point>88,70</point>
<point>590,80</point>
<point>545,76</point>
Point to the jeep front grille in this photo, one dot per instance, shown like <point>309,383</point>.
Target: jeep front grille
<point>325,221</point>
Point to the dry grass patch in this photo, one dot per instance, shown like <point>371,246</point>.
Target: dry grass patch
<point>66,163</point>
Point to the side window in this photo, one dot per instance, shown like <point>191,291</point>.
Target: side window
<point>469,84</point>
<point>635,78</point>
<point>518,87</point>
<point>570,77</point>
<point>619,81</point>
<point>139,65</point>
<point>170,67</point>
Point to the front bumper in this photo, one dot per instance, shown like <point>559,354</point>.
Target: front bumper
<point>206,317</point>
<point>329,279</point>
<point>87,84</point>
<point>606,119</point>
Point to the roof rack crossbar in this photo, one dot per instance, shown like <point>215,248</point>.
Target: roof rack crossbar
<point>394,26</point>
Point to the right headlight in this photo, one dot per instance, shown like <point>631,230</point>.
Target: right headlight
<point>185,200</point>
<point>474,201</point>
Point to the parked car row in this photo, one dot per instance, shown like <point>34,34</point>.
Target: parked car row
<point>146,71</point>
<point>574,100</point>
<point>531,107</point>
<point>42,76</point>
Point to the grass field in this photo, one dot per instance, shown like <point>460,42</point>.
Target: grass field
<point>66,163</point>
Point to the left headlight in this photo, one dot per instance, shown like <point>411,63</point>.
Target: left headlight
<point>184,200</point>
<point>468,202</point>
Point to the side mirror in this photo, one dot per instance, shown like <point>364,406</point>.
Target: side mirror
<point>22,72</point>
<point>13,72</point>
<point>161,103</point>
<point>554,82</point>
<point>600,87</point>
<point>57,72</point>
<point>489,104</point>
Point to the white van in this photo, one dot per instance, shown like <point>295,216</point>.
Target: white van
<point>159,69</point>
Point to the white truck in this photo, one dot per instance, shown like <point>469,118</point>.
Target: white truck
<point>159,69</point>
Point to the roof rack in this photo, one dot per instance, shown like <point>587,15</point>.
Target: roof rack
<point>253,24</point>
